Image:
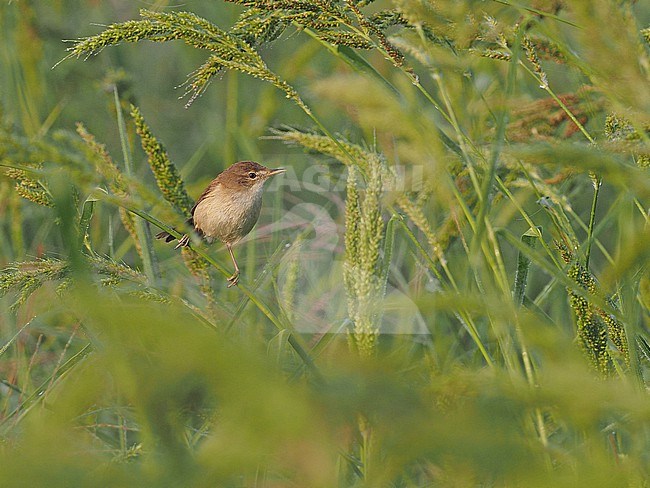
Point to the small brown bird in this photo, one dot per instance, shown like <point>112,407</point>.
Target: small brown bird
<point>229,207</point>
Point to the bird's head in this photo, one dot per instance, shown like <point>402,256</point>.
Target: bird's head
<point>247,175</point>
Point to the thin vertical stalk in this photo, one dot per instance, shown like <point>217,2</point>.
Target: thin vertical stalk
<point>597,179</point>
<point>592,218</point>
<point>149,262</point>
<point>502,122</point>
<point>528,240</point>
<point>232,111</point>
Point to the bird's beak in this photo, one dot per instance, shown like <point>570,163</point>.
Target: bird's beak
<point>276,171</point>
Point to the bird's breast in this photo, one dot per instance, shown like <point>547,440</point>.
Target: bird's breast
<point>228,215</point>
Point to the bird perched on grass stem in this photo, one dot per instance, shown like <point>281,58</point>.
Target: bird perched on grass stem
<point>229,207</point>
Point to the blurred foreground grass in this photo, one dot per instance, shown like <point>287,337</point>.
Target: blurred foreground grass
<point>449,288</point>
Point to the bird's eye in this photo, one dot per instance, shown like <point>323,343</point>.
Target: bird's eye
<point>252,175</point>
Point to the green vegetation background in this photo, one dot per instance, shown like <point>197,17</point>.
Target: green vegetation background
<point>447,308</point>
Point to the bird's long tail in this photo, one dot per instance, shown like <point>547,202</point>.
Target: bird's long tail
<point>165,235</point>
<point>182,242</point>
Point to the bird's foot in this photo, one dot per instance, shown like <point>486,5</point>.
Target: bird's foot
<point>234,279</point>
<point>183,241</point>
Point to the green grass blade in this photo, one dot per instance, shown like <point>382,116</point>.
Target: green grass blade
<point>529,238</point>
<point>149,260</point>
<point>39,394</point>
<point>84,223</point>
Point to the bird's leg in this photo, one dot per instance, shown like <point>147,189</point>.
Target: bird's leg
<point>183,241</point>
<point>235,277</point>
